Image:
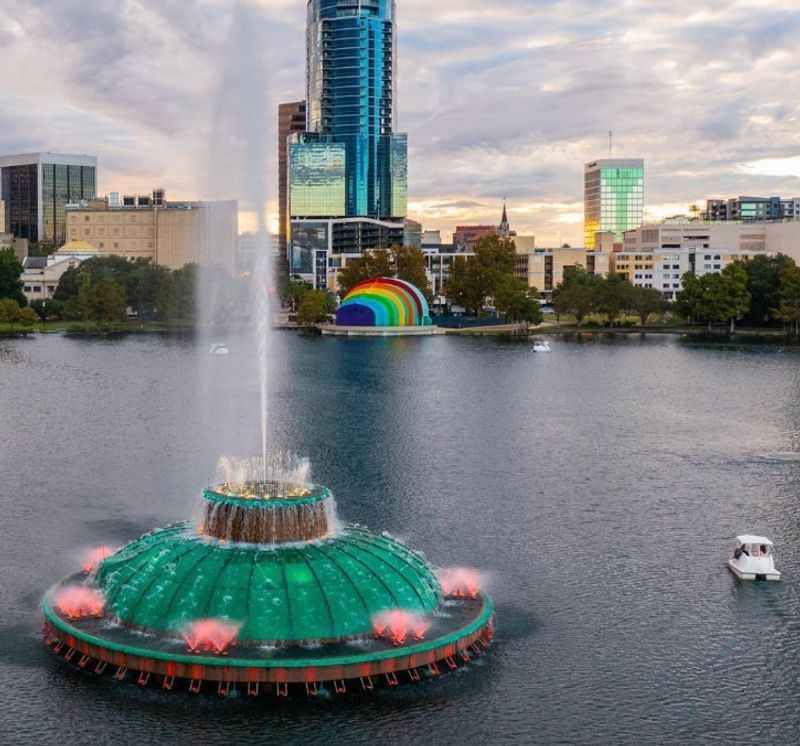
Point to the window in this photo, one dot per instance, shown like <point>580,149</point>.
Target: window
<point>102,245</point>
<point>85,217</point>
<point>716,266</point>
<point>675,284</point>
<point>37,288</point>
<point>27,288</point>
<point>116,245</point>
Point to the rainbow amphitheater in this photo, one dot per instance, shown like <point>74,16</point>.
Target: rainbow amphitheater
<point>385,304</point>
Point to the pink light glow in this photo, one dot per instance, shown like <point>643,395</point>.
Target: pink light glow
<point>78,601</point>
<point>93,557</point>
<point>398,625</point>
<point>460,582</point>
<point>210,636</point>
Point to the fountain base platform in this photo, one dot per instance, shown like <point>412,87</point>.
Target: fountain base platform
<point>462,631</point>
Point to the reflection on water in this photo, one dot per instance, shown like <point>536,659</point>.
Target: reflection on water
<point>600,486</point>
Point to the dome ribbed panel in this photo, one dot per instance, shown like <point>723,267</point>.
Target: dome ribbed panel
<point>318,591</point>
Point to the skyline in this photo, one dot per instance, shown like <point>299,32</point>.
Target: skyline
<point>550,79</point>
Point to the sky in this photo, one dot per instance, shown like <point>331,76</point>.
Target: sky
<point>499,99</point>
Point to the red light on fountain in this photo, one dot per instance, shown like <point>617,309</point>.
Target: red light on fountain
<point>93,558</point>
<point>398,625</point>
<point>210,636</point>
<point>460,582</point>
<point>77,602</point>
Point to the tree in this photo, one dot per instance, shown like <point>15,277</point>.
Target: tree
<point>613,296</point>
<point>115,268</point>
<point>788,309</point>
<point>47,309</point>
<point>735,296</point>
<point>577,294</point>
<point>143,286</point>
<point>315,307</point>
<point>409,265</point>
<point>107,301</point>
<point>516,302</point>
<point>644,302</point>
<point>294,293</point>
<point>764,285</point>
<point>27,316</point>
<point>10,271</point>
<point>9,308</point>
<point>715,297</point>
<point>368,266</point>
<point>475,278</point>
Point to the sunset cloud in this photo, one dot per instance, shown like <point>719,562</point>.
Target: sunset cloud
<point>499,100</point>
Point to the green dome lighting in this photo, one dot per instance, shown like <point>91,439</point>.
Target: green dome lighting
<point>268,592</point>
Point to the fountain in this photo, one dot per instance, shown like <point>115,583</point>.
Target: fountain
<point>267,593</point>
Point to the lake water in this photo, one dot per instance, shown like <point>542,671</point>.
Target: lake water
<point>599,485</point>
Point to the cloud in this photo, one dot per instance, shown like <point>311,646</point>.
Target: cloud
<point>499,99</point>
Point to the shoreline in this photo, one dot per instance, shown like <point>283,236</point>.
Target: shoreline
<point>91,329</point>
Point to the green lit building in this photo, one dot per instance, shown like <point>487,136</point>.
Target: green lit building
<point>613,199</point>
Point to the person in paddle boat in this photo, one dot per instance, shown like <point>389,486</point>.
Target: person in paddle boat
<point>753,559</point>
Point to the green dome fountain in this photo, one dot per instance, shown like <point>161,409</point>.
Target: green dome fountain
<point>266,590</point>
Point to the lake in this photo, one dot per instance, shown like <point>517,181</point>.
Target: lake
<point>599,486</point>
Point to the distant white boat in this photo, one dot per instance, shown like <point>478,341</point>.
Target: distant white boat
<point>219,349</point>
<point>752,559</point>
<point>542,347</point>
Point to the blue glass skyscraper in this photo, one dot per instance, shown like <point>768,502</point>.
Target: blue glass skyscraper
<point>351,83</point>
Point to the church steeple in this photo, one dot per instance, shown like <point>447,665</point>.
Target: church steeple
<point>504,229</point>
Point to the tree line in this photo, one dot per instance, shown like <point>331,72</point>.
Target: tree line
<point>13,303</point>
<point>760,292</point>
<point>582,294</point>
<point>102,289</point>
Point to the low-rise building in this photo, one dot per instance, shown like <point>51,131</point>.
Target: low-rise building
<point>752,209</point>
<point>544,269</point>
<point>663,269</point>
<point>466,237</point>
<point>744,237</point>
<point>431,238</point>
<point>41,274</point>
<point>170,234</point>
<point>439,262</point>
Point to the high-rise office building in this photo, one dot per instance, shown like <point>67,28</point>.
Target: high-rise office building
<point>350,150</point>
<point>37,187</point>
<point>291,119</point>
<point>351,95</point>
<point>613,198</point>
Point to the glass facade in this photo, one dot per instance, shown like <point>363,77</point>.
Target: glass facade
<point>613,198</point>
<point>62,184</point>
<point>351,78</point>
<point>317,176</point>
<point>397,170</point>
<point>308,237</point>
<point>291,119</point>
<point>20,192</point>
